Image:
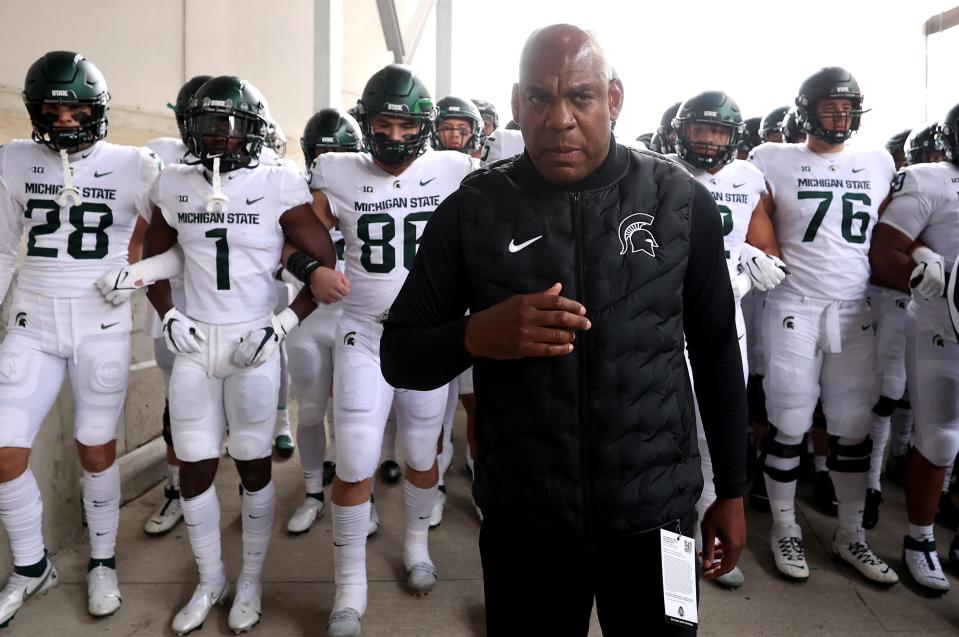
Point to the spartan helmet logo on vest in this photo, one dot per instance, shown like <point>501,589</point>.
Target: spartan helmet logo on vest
<point>634,237</point>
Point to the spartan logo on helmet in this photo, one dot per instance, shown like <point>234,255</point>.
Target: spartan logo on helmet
<point>349,339</point>
<point>789,322</point>
<point>634,237</point>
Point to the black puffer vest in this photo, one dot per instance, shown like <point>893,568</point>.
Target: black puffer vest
<point>601,443</point>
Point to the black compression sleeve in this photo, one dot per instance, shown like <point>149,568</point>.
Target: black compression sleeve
<point>710,323</point>
<point>423,339</point>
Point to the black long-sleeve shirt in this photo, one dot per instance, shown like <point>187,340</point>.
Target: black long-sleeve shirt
<point>423,342</point>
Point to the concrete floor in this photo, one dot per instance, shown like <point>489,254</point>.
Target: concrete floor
<point>158,575</point>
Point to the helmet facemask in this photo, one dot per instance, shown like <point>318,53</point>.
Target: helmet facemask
<point>391,151</point>
<point>712,153</point>
<point>234,137</point>
<point>90,129</point>
<point>843,123</point>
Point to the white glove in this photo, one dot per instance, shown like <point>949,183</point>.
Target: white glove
<point>928,278</point>
<point>765,270</point>
<point>260,344</point>
<point>118,284</point>
<point>181,334</point>
<point>742,283</point>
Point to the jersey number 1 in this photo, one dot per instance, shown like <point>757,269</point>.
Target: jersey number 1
<point>222,257</point>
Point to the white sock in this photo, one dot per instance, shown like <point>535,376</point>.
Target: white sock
<point>202,517</point>
<point>101,503</point>
<point>173,476</point>
<point>921,532</point>
<point>257,508</point>
<point>879,433</point>
<point>419,506</point>
<point>311,441</point>
<point>901,425</point>
<point>21,511</point>
<point>851,496</point>
<point>331,443</point>
<point>782,495</point>
<point>282,421</point>
<point>819,462</point>
<point>947,477</point>
<point>350,524</point>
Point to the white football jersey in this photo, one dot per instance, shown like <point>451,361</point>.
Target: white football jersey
<point>171,150</point>
<point>382,218</point>
<point>502,144</point>
<point>69,247</point>
<point>736,189</point>
<point>826,208</point>
<point>230,256</point>
<point>925,206</point>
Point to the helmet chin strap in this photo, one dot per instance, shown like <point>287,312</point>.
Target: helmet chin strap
<point>217,200</point>
<point>69,191</point>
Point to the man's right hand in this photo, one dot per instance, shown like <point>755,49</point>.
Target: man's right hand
<point>526,325</point>
<point>328,285</point>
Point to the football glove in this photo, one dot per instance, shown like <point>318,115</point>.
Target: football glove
<point>118,284</point>
<point>928,278</point>
<point>260,344</point>
<point>181,334</point>
<point>765,270</point>
<point>742,283</point>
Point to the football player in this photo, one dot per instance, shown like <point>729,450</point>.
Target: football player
<point>310,348</point>
<point>750,138</point>
<point>924,145</point>
<point>895,144</point>
<point>229,214</point>
<point>664,137</point>
<point>709,127</point>
<point>172,150</point>
<point>771,127</point>
<point>820,343</point>
<point>914,246</point>
<point>792,131</point>
<point>78,198</point>
<point>382,201</point>
<point>490,118</point>
<point>459,126</point>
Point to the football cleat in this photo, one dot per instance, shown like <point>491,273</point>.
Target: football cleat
<point>103,592</point>
<point>344,622</point>
<point>305,515</point>
<point>205,597</point>
<point>245,611</point>
<point>731,580</point>
<point>20,588</point>
<point>421,578</point>
<point>284,445</point>
<point>167,515</point>
<point>852,548</point>
<point>789,553</point>
<point>922,564</point>
<point>436,515</point>
<point>390,472</point>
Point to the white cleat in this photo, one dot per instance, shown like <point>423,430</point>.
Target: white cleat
<point>167,515</point>
<point>245,612</point>
<point>421,578</point>
<point>20,588</point>
<point>344,622</point>
<point>922,563</point>
<point>789,553</point>
<point>305,516</point>
<point>436,515</point>
<point>731,580</point>
<point>851,547</point>
<point>374,522</point>
<point>103,592</point>
<point>205,597</point>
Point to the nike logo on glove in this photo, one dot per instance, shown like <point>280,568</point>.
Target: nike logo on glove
<point>513,247</point>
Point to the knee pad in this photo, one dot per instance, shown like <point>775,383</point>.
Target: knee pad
<point>196,445</point>
<point>938,444</point>
<point>849,457</point>
<point>312,412</point>
<point>358,451</point>
<point>99,383</point>
<point>251,444</point>
<point>885,406</point>
<point>780,445</point>
<point>250,399</point>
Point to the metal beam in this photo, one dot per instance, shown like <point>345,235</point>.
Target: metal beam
<point>327,53</point>
<point>414,30</point>
<point>391,29</point>
<point>444,48</point>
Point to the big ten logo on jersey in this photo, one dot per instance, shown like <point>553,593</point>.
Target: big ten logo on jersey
<point>183,198</point>
<point>38,170</point>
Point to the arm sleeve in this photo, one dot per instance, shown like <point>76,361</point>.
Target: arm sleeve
<point>150,167</point>
<point>423,339</point>
<point>11,227</point>
<point>709,319</point>
<point>909,210</point>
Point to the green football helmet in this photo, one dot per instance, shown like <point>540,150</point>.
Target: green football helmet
<point>826,83</point>
<point>715,108</point>
<point>65,77</point>
<point>395,91</point>
<point>663,140</point>
<point>772,123</point>
<point>330,130</point>
<point>922,145</point>
<point>488,111</point>
<point>452,107</point>
<point>227,119</point>
<point>792,132</point>
<point>183,97</point>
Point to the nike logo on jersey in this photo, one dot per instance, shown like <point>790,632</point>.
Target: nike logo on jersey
<point>423,183</point>
<point>857,170</point>
<point>513,247</point>
<point>738,185</point>
<point>866,327</point>
<point>250,202</point>
<point>98,175</point>
<point>106,326</point>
